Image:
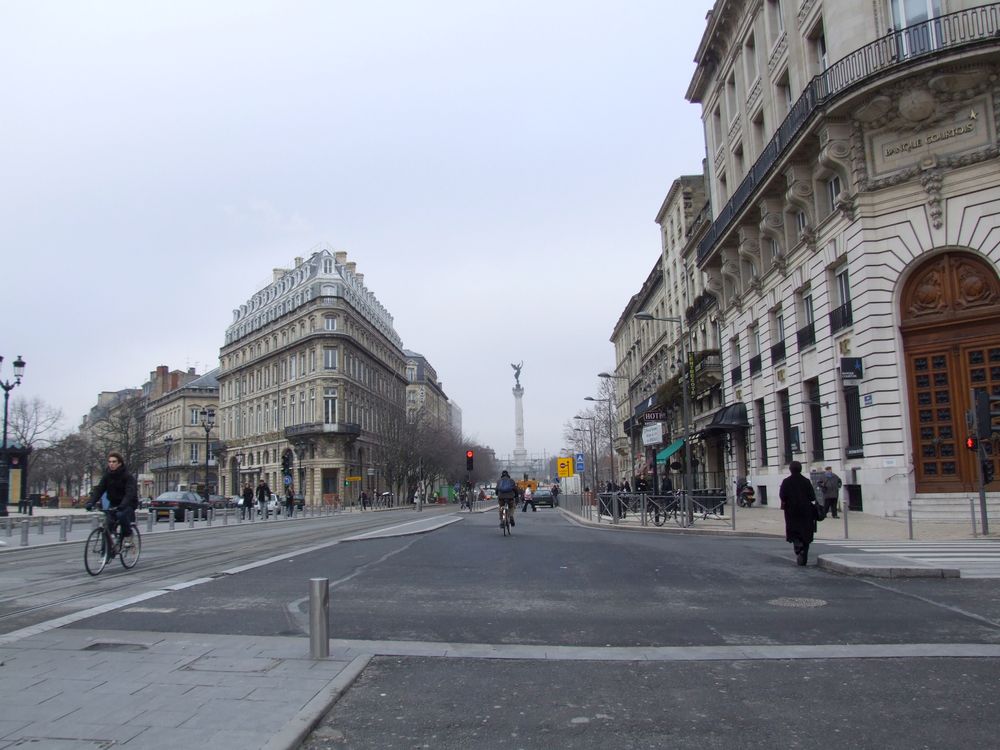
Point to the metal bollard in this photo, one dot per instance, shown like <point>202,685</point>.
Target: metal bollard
<point>62,529</point>
<point>9,525</point>
<point>41,525</point>
<point>210,515</point>
<point>189,515</point>
<point>24,533</point>
<point>170,515</point>
<point>319,618</point>
<point>150,520</point>
<point>70,519</point>
<point>225,517</point>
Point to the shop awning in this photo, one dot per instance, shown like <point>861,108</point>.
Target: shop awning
<point>731,417</point>
<point>670,450</point>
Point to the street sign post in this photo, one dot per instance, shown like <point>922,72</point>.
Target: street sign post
<point>579,466</point>
<point>564,466</point>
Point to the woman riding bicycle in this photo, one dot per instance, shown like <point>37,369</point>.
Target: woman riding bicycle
<point>122,492</point>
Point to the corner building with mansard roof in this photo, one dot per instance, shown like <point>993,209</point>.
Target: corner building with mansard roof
<point>855,190</point>
<point>311,372</point>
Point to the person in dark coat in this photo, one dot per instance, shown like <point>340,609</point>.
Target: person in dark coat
<point>122,492</point>
<point>798,500</point>
<point>247,509</point>
<point>263,495</point>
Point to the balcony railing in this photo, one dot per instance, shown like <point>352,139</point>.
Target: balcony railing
<point>736,374</point>
<point>874,60</point>
<point>755,364</point>
<point>778,352</point>
<point>841,317</point>
<point>319,428</point>
<point>806,336</point>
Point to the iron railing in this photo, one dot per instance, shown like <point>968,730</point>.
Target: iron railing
<point>756,364</point>
<point>778,352</point>
<point>806,336</point>
<point>841,317</point>
<point>892,51</point>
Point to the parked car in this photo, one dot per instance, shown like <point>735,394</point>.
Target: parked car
<point>177,503</point>
<point>544,496</point>
<point>274,506</point>
<point>218,501</point>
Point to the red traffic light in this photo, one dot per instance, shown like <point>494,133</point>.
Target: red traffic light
<point>469,454</point>
<point>971,443</point>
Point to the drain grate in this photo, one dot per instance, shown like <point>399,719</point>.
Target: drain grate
<point>116,647</point>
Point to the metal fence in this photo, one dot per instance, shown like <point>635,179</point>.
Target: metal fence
<point>706,507</point>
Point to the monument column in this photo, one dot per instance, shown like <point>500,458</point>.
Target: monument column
<point>520,454</point>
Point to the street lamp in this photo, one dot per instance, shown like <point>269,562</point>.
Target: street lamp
<point>611,437</point>
<point>628,437</point>
<point>593,449</point>
<point>7,386</point>
<point>169,442</point>
<point>685,396</point>
<point>238,484</point>
<point>208,422</point>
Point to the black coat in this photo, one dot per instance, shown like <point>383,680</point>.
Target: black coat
<point>797,500</point>
<point>263,492</point>
<point>121,488</point>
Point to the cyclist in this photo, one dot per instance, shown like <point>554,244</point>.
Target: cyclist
<point>506,495</point>
<point>122,496</point>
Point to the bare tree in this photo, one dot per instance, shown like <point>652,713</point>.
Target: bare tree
<point>32,422</point>
<point>125,429</point>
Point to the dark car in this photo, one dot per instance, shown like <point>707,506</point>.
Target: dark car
<point>177,503</point>
<point>544,496</point>
<point>218,501</point>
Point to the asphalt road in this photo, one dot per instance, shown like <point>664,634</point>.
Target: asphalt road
<point>555,583</point>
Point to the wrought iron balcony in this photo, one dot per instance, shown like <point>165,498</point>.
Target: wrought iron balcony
<point>806,336</point>
<point>322,428</point>
<point>778,352</point>
<point>755,364</point>
<point>893,51</point>
<point>841,317</point>
<point>736,374</point>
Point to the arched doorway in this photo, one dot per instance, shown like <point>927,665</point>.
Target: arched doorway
<point>950,323</point>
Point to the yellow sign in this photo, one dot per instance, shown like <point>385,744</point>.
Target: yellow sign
<point>564,466</point>
<point>353,479</point>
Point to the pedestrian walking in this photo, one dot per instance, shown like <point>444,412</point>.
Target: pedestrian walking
<point>830,485</point>
<point>263,495</point>
<point>529,497</point>
<point>364,500</point>
<point>798,501</point>
<point>246,505</point>
<point>289,502</point>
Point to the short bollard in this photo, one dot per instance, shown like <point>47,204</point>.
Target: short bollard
<point>319,618</point>
<point>190,518</point>
<point>70,524</point>
<point>225,517</point>
<point>170,515</point>
<point>210,516</point>
<point>9,525</point>
<point>150,520</point>
<point>41,525</point>
<point>24,533</point>
<point>62,529</point>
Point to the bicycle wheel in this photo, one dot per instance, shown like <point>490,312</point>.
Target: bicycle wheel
<point>131,548</point>
<point>95,552</point>
<point>659,515</point>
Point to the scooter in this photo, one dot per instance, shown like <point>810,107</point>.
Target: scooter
<point>745,496</point>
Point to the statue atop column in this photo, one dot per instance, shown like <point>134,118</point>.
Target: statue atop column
<point>517,373</point>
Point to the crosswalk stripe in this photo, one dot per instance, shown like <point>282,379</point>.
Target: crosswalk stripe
<point>975,558</point>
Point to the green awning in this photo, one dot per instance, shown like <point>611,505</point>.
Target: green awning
<point>670,450</point>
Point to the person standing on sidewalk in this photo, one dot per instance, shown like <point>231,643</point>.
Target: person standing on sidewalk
<point>830,484</point>
<point>247,509</point>
<point>798,500</point>
<point>263,495</point>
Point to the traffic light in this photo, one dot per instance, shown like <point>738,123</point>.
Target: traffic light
<point>971,443</point>
<point>286,463</point>
<point>469,456</point>
<point>984,415</point>
<point>987,471</point>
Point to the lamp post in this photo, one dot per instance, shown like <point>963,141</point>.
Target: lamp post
<point>611,437</point>
<point>685,396</point>
<point>208,422</point>
<point>238,484</point>
<point>7,386</point>
<point>593,449</point>
<point>631,460</point>
<point>169,442</point>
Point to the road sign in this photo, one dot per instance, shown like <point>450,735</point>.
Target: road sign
<point>354,479</point>
<point>579,464</point>
<point>564,466</point>
<point>288,479</point>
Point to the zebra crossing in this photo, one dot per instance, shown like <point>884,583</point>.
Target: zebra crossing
<point>974,558</point>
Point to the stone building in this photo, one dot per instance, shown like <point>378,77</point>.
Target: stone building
<point>424,392</point>
<point>177,405</point>
<point>312,372</point>
<point>852,162</point>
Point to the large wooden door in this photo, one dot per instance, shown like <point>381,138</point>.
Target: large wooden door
<point>951,341</point>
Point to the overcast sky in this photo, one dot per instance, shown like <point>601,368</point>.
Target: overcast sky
<point>493,166</point>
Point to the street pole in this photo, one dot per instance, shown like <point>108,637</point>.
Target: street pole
<point>208,422</point>
<point>8,386</point>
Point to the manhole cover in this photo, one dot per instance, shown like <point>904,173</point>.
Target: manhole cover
<point>797,602</point>
<point>115,647</point>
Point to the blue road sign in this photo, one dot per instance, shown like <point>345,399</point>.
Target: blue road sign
<point>578,463</point>
<point>288,479</point>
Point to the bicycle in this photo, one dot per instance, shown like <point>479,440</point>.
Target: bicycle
<point>660,512</point>
<point>101,547</point>
<point>505,517</point>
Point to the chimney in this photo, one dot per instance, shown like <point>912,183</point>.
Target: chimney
<point>298,262</point>
<point>351,266</point>
<point>191,371</point>
<point>360,277</point>
<point>340,256</point>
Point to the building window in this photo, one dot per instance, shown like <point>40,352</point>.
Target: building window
<point>750,58</point>
<point>832,191</point>
<point>732,102</point>
<point>842,315</point>
<point>815,411</point>
<point>328,265</point>
<point>801,221</point>
<point>852,411</point>
<point>330,405</point>
<point>761,420</point>
<point>330,323</point>
<point>785,410</point>
<point>783,96</point>
<point>194,415</point>
<point>292,362</point>
<point>806,334</point>
<point>329,358</point>
<point>778,348</point>
<point>193,451</point>
<point>775,19</point>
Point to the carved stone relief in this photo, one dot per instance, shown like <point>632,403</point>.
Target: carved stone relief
<point>948,284</point>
